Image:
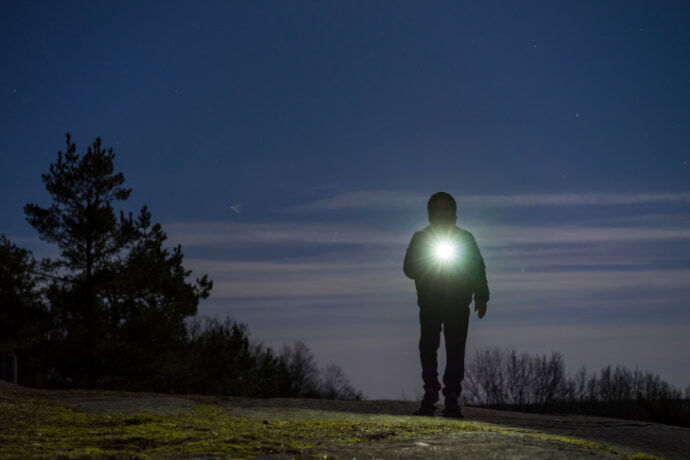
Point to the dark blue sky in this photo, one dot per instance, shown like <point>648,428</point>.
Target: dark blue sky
<point>560,127</point>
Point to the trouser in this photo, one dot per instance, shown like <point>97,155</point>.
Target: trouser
<point>454,320</point>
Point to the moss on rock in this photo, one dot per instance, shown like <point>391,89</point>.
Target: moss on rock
<point>39,427</point>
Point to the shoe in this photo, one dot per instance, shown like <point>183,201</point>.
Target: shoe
<point>428,404</point>
<point>451,391</point>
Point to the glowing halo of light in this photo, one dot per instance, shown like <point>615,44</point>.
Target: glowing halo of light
<point>444,251</point>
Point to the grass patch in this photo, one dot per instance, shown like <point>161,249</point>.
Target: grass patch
<point>31,427</point>
<point>41,428</point>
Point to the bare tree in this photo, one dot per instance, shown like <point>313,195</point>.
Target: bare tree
<point>303,370</point>
<point>580,385</point>
<point>334,384</point>
<point>517,377</point>
<point>485,377</point>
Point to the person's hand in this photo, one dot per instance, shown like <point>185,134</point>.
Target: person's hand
<point>480,308</point>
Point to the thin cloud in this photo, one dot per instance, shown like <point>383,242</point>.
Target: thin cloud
<point>234,234</point>
<point>364,199</point>
<point>390,199</point>
<point>589,280</point>
<point>564,234</point>
<point>294,279</point>
<point>227,234</point>
<point>299,279</point>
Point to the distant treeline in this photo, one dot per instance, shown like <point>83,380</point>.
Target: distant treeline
<point>222,360</point>
<point>504,379</point>
<point>115,308</point>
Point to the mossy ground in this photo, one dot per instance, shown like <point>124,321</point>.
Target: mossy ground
<point>33,427</point>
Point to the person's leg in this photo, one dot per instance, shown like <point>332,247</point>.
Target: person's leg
<point>455,325</point>
<point>429,342</point>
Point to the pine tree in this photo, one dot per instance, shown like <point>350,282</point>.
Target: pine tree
<point>118,298</point>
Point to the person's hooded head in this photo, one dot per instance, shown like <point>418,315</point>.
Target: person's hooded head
<point>442,210</point>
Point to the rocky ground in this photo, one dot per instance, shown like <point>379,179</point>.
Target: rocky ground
<point>99,424</point>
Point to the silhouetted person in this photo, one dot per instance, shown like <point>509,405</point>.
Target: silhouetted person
<point>447,267</point>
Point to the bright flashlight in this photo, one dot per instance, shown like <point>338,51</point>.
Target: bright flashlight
<point>444,251</point>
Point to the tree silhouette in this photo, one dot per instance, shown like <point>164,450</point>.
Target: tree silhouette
<point>111,310</point>
<point>20,310</point>
<point>23,316</point>
<point>302,368</point>
<point>335,385</point>
<point>501,379</point>
<point>117,297</point>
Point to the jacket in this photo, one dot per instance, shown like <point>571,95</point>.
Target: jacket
<point>446,283</point>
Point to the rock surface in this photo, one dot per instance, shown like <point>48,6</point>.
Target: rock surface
<point>493,434</point>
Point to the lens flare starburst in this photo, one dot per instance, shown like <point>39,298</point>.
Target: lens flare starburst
<point>444,251</point>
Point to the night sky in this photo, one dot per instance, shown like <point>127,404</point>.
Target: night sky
<point>290,147</point>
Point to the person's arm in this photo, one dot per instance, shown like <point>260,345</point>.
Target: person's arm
<point>412,263</point>
<point>481,287</point>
